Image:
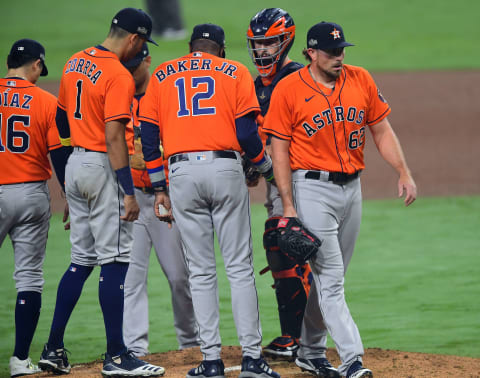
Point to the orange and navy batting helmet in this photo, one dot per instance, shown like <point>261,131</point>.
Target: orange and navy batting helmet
<point>273,27</point>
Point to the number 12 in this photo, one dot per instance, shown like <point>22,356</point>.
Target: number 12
<point>197,110</point>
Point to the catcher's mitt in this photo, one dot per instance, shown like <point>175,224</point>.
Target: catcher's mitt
<point>296,241</point>
<point>252,175</point>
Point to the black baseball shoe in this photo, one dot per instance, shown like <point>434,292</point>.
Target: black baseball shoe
<point>319,367</point>
<point>284,347</point>
<point>54,360</point>
<point>126,364</point>
<point>208,369</point>
<point>356,370</point>
<point>256,368</point>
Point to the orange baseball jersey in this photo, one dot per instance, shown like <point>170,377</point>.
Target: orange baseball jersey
<point>27,131</point>
<point>195,100</point>
<point>326,128</point>
<point>95,88</point>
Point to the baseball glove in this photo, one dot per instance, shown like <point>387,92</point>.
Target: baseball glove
<point>252,175</point>
<point>296,241</point>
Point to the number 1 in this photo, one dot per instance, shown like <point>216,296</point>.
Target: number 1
<point>77,113</point>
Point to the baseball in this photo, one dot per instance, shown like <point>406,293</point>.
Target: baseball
<point>162,210</point>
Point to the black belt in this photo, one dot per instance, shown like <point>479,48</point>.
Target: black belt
<point>216,154</point>
<point>78,148</point>
<point>145,189</point>
<point>336,177</point>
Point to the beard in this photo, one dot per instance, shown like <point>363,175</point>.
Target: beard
<point>332,74</point>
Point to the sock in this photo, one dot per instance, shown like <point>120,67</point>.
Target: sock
<point>27,312</point>
<point>110,294</point>
<point>68,293</point>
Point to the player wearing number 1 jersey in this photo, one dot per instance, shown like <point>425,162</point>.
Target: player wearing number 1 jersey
<point>94,104</point>
<point>202,107</point>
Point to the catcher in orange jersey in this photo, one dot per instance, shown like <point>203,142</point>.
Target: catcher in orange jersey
<point>94,104</point>
<point>27,135</point>
<point>318,118</point>
<point>202,107</point>
<point>270,36</point>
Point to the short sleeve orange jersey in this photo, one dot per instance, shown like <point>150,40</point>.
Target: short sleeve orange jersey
<point>326,128</point>
<point>195,100</point>
<point>95,88</point>
<point>27,131</point>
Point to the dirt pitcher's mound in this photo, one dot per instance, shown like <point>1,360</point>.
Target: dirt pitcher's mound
<point>383,363</point>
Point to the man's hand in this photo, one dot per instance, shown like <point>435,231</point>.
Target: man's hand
<point>131,208</point>
<point>407,187</point>
<point>162,201</point>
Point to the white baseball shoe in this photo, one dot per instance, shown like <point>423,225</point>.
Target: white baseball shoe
<point>22,367</point>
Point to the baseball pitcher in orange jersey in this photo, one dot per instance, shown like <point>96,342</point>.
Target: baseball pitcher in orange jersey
<point>94,105</point>
<point>318,118</point>
<point>27,135</point>
<point>203,108</point>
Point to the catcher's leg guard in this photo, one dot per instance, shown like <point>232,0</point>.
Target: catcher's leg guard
<point>291,282</point>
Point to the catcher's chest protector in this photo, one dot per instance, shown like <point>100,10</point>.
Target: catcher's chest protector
<point>292,282</point>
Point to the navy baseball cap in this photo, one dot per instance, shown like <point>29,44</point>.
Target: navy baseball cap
<point>26,49</point>
<point>325,36</point>
<point>137,59</point>
<point>135,21</point>
<point>212,32</point>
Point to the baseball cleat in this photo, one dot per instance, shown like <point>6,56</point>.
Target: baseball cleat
<point>285,347</point>
<point>20,367</point>
<point>256,368</point>
<point>127,365</point>
<point>356,370</point>
<point>54,360</point>
<point>208,369</point>
<point>319,367</point>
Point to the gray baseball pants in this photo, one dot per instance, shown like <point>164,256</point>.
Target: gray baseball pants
<point>333,213</point>
<point>25,216</point>
<point>148,230</point>
<point>210,195</point>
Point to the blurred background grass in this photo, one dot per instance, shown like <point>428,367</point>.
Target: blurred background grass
<point>389,35</point>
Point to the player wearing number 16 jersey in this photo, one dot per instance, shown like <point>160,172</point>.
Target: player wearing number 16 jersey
<point>27,135</point>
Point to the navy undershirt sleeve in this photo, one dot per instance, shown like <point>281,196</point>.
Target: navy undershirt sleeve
<point>247,135</point>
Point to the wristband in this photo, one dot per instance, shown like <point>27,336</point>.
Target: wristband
<point>264,165</point>
<point>124,176</point>
<point>159,189</point>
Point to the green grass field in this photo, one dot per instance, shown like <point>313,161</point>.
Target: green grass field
<point>388,34</point>
<point>413,285</point>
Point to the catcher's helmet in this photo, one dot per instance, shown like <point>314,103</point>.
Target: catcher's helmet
<point>272,24</point>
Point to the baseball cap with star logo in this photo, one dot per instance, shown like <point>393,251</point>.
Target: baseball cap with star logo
<point>325,36</point>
